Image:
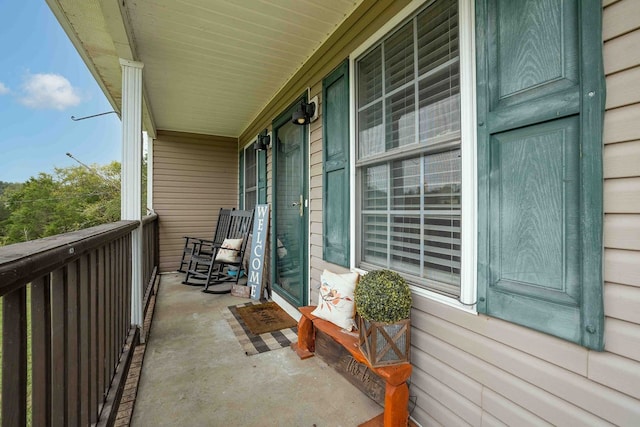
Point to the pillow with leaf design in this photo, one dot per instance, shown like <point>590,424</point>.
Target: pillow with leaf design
<point>335,302</point>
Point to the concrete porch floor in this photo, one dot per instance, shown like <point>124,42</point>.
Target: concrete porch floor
<point>195,373</point>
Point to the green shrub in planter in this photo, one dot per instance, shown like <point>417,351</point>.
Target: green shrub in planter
<point>383,296</point>
<point>383,304</point>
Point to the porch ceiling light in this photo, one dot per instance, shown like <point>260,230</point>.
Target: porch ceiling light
<point>306,112</point>
<point>262,141</point>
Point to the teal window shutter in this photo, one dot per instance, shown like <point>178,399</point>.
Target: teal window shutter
<point>335,170</point>
<point>541,95</point>
<point>262,176</point>
<point>241,181</point>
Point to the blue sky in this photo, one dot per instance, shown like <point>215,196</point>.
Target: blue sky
<point>43,82</point>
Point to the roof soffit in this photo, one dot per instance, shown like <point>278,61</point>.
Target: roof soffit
<point>210,66</point>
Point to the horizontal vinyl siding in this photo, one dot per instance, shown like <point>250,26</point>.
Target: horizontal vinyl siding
<point>509,386</point>
<point>619,366</point>
<point>507,411</point>
<point>315,194</point>
<point>620,18</point>
<point>622,266</point>
<point>542,374</point>
<point>621,302</point>
<point>622,159</point>
<point>194,176</point>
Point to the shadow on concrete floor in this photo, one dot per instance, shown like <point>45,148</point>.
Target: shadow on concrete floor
<point>195,373</point>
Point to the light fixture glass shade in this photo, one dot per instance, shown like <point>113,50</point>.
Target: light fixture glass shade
<point>303,114</point>
<point>262,142</point>
<point>299,116</point>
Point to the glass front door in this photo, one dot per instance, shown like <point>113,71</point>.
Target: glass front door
<point>290,210</point>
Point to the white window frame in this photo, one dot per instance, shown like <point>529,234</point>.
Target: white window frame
<point>468,253</point>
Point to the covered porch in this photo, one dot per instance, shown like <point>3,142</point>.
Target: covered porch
<point>205,78</point>
<point>195,372</point>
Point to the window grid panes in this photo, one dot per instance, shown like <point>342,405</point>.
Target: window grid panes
<point>409,158</point>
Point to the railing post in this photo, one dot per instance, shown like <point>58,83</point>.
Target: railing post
<point>41,350</point>
<point>14,362</point>
<point>132,176</point>
<point>156,244</point>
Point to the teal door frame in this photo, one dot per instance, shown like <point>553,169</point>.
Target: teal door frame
<point>277,123</point>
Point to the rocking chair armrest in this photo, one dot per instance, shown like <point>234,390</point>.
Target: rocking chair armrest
<point>190,240</point>
<point>192,244</point>
<point>205,247</point>
<point>205,256</point>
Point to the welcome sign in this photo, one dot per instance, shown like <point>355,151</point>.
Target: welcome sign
<point>258,247</point>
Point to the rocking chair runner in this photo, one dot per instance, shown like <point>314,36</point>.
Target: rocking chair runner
<point>213,268</point>
<point>197,245</point>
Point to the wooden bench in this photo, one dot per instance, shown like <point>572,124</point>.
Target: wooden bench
<point>396,397</point>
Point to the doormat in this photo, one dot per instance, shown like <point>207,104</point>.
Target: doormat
<point>267,317</point>
<point>256,344</point>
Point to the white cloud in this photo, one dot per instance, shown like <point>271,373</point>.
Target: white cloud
<point>3,89</point>
<point>49,91</point>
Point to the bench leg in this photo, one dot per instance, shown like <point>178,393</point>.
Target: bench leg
<point>396,402</point>
<point>306,339</point>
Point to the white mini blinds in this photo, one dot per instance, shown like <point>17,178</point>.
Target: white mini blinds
<point>408,153</point>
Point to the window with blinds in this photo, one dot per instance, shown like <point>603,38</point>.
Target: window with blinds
<point>408,156</point>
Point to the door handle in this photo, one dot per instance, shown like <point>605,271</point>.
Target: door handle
<point>299,205</point>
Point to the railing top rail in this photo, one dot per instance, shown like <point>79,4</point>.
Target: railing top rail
<point>149,218</point>
<point>22,262</point>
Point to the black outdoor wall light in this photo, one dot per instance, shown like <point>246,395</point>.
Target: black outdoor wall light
<point>306,112</point>
<point>262,141</point>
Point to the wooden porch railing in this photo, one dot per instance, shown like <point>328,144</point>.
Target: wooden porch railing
<point>150,254</point>
<point>81,332</point>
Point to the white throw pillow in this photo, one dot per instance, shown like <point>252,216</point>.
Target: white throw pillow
<point>229,251</point>
<point>335,302</point>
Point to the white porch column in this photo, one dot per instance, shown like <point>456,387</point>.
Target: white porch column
<point>131,180</point>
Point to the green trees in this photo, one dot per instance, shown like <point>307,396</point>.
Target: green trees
<point>4,212</point>
<point>71,198</point>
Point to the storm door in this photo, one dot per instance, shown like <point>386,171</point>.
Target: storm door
<point>290,209</point>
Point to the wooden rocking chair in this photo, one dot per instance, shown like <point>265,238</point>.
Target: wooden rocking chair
<point>197,245</point>
<point>213,270</point>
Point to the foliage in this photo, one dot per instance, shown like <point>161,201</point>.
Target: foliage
<point>71,199</point>
<point>4,211</point>
<point>383,296</point>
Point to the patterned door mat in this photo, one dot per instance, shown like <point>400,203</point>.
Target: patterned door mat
<point>267,317</point>
<point>255,344</point>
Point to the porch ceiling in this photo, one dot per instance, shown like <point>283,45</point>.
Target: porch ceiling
<point>210,66</point>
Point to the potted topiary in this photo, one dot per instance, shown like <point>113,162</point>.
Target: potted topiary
<point>383,305</point>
